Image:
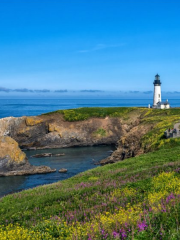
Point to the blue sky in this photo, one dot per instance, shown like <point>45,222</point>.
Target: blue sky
<point>108,45</point>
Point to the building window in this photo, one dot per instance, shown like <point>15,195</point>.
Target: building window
<point>159,95</point>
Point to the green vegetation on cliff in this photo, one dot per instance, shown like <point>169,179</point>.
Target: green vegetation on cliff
<point>101,132</point>
<point>80,114</point>
<point>160,120</point>
<point>138,198</point>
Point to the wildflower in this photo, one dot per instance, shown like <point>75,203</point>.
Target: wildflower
<point>171,196</point>
<point>106,236</point>
<point>124,235</point>
<point>115,234</point>
<point>102,231</point>
<point>142,226</point>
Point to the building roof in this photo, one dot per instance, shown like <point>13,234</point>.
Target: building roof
<point>163,103</point>
<point>157,76</point>
<point>157,80</point>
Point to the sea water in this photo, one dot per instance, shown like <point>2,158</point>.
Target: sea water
<point>33,107</point>
<point>75,160</point>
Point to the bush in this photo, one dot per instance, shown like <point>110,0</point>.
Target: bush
<point>101,132</point>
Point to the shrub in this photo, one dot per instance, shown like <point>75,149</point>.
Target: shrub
<point>101,132</point>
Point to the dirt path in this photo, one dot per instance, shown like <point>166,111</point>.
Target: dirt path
<point>176,126</point>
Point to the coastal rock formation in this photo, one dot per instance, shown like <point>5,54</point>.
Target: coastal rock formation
<point>62,170</point>
<point>10,154</point>
<point>47,155</point>
<point>129,145</point>
<point>9,125</point>
<point>52,131</point>
<point>14,162</point>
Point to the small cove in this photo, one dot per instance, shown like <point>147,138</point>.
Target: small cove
<point>76,160</point>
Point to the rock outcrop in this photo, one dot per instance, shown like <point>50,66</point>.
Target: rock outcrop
<point>62,170</point>
<point>52,131</point>
<point>14,162</point>
<point>129,145</point>
<point>47,155</point>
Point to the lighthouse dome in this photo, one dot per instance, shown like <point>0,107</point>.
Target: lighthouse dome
<point>157,81</point>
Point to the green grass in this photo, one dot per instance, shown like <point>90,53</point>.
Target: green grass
<point>32,208</point>
<point>160,120</point>
<point>80,114</point>
<point>87,206</point>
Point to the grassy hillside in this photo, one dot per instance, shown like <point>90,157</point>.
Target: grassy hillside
<point>160,120</point>
<point>80,114</point>
<point>138,198</point>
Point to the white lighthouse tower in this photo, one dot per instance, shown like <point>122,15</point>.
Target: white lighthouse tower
<point>157,91</point>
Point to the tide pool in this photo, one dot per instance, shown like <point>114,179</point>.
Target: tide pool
<point>75,160</point>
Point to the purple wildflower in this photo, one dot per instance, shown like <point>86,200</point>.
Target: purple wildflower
<point>142,226</point>
<point>106,236</point>
<point>123,233</point>
<point>115,234</point>
<point>102,231</point>
<point>171,196</point>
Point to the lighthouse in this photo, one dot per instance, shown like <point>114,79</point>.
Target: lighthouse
<point>157,103</point>
<point>157,91</point>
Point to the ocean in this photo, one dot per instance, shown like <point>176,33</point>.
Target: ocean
<point>33,107</point>
<point>76,160</point>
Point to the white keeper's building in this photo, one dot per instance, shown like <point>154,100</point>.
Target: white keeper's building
<point>157,102</point>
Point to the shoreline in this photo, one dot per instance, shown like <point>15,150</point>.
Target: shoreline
<point>76,160</point>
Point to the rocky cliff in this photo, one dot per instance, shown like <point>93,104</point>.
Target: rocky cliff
<point>53,131</point>
<point>14,162</point>
<point>129,145</point>
<point>10,154</point>
<point>133,130</point>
